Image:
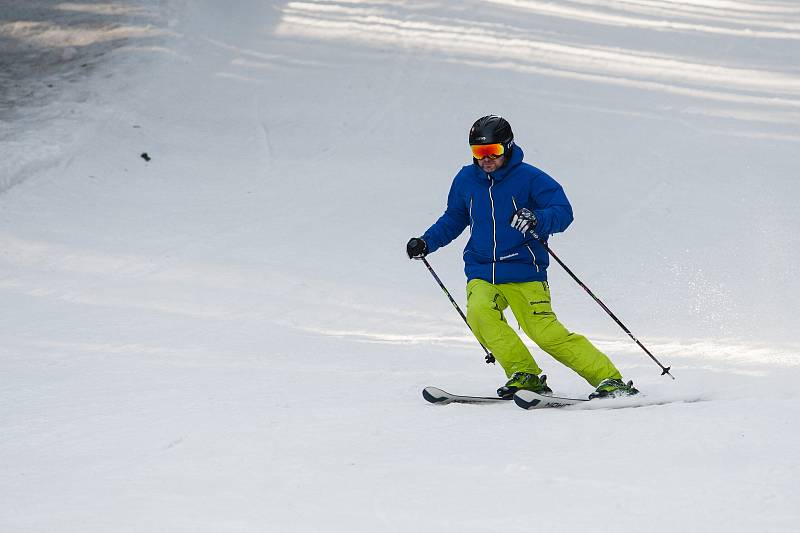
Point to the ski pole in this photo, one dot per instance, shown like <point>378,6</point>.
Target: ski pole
<point>489,356</point>
<point>665,369</point>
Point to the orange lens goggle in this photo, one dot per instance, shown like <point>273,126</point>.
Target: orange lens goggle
<point>492,151</point>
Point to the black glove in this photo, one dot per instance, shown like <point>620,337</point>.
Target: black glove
<point>524,220</point>
<point>416,248</point>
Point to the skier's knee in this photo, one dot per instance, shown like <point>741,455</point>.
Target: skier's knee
<point>480,314</point>
<point>549,339</point>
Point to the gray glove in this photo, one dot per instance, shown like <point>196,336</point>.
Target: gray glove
<point>524,220</point>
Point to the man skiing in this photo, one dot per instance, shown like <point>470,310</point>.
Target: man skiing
<point>509,207</point>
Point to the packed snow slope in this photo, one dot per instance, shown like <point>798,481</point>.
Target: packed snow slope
<point>228,337</point>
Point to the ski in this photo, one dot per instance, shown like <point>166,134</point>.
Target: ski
<point>440,397</point>
<point>531,400</point>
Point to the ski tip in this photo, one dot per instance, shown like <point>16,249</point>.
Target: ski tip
<point>526,403</point>
<point>440,397</point>
<point>531,400</point>
<point>432,394</point>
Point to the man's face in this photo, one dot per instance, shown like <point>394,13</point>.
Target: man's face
<point>489,165</point>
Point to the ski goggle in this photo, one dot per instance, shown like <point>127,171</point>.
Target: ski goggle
<point>492,151</point>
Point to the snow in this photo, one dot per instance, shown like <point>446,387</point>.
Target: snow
<point>230,338</point>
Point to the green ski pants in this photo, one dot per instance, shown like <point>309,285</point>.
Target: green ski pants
<point>530,303</point>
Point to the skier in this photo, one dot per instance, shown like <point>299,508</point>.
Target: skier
<point>509,205</point>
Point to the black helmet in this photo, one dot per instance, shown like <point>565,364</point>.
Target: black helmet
<point>492,129</point>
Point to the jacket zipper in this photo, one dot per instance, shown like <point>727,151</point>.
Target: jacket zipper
<point>494,229</point>
<point>471,221</point>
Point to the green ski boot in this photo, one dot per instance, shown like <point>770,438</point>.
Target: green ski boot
<point>613,388</point>
<point>524,381</point>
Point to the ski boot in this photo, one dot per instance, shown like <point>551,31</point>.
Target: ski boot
<point>613,388</point>
<point>524,381</point>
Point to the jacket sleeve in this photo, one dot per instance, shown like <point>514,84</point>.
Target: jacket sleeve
<point>451,223</point>
<point>551,206</point>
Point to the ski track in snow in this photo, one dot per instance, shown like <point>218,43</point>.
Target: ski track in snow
<point>228,337</point>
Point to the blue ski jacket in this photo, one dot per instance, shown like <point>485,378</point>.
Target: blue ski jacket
<point>496,252</point>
